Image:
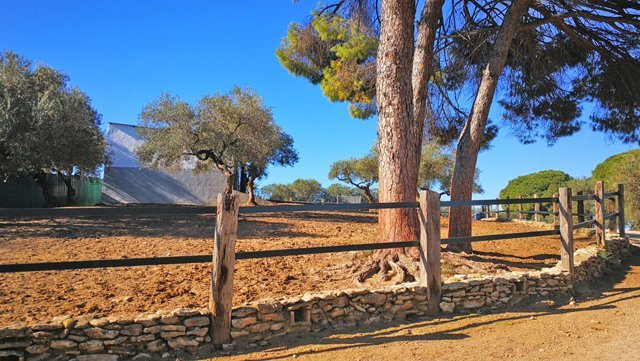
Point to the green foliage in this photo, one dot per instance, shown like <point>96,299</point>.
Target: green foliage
<point>301,190</point>
<point>623,168</point>
<point>338,54</point>
<point>545,183</point>
<point>336,190</point>
<point>224,131</point>
<point>277,192</point>
<point>45,125</point>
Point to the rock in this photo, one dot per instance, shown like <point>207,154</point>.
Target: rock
<point>269,308</point>
<point>241,323</point>
<point>454,286</point>
<point>337,312</point>
<point>98,357</point>
<point>63,344</point>
<point>228,347</point>
<point>14,344</point>
<point>170,320</point>
<point>143,338</point>
<point>171,334</point>
<point>277,317</point>
<point>11,354</point>
<point>100,333</point>
<point>340,301</point>
<point>142,356</point>
<point>8,332</point>
<point>115,341</point>
<point>544,304</point>
<point>99,322</point>
<point>131,330</point>
<point>196,321</point>
<point>68,323</point>
<point>122,350</point>
<point>259,327</point>
<point>447,307</point>
<point>243,312</point>
<point>47,327</point>
<point>182,342</point>
<point>277,326</point>
<point>473,303</point>
<point>165,328</point>
<point>157,346</point>
<point>77,338</point>
<point>37,349</point>
<point>239,334</point>
<point>147,320</point>
<point>92,346</point>
<point>198,331</point>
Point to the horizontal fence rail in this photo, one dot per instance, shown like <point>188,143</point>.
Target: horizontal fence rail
<point>584,224</point>
<point>497,237</point>
<point>159,261</point>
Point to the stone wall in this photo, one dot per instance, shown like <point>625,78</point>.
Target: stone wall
<point>153,336</point>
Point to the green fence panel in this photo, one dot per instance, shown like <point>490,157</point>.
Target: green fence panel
<point>22,191</point>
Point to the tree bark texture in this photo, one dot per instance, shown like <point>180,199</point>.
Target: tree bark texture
<point>471,136</point>
<point>403,73</point>
<point>43,182</point>
<point>251,200</point>
<point>399,156</point>
<point>71,193</point>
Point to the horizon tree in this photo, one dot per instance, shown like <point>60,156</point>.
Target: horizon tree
<point>361,173</point>
<point>280,152</point>
<point>224,131</point>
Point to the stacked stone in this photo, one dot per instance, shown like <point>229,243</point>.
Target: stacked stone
<point>110,338</point>
<point>257,324</point>
<point>147,336</point>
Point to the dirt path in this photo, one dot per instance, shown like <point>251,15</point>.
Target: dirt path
<point>604,325</point>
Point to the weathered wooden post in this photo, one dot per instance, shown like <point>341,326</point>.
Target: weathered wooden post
<point>555,211</point>
<point>508,209</point>
<point>536,209</point>
<point>220,300</point>
<point>430,274</point>
<point>611,208</point>
<point>621,219</point>
<point>566,230</point>
<point>580,208</point>
<point>521,209</point>
<point>599,211</point>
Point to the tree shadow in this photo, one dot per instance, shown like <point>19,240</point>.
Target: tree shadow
<point>602,290</point>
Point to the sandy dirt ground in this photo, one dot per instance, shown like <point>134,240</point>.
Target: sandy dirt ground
<point>39,296</point>
<point>603,325</point>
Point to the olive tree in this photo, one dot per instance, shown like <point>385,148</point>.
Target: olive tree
<point>46,126</point>
<point>223,131</point>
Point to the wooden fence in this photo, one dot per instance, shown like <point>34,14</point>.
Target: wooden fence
<point>429,212</point>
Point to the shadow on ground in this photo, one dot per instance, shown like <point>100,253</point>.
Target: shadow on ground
<point>602,292</point>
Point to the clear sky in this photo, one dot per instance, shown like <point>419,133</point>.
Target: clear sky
<point>124,54</point>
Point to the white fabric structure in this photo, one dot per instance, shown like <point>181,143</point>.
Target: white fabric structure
<point>126,181</point>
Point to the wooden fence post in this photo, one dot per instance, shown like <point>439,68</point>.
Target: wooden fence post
<point>430,273</point>
<point>611,208</point>
<point>599,211</point>
<point>536,209</point>
<point>508,209</point>
<point>220,301</point>
<point>555,210</point>
<point>566,230</point>
<point>521,209</point>
<point>580,208</point>
<point>621,220</point>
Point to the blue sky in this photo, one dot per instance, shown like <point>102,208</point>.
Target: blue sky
<point>125,54</point>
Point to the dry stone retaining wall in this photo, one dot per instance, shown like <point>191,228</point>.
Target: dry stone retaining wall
<point>150,336</point>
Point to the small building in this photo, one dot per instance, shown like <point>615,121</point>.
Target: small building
<point>126,181</point>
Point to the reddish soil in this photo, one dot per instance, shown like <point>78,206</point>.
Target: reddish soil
<point>38,296</point>
<point>603,325</point>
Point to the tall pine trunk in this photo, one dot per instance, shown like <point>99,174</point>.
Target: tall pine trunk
<point>399,143</point>
<point>403,73</point>
<point>471,137</point>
